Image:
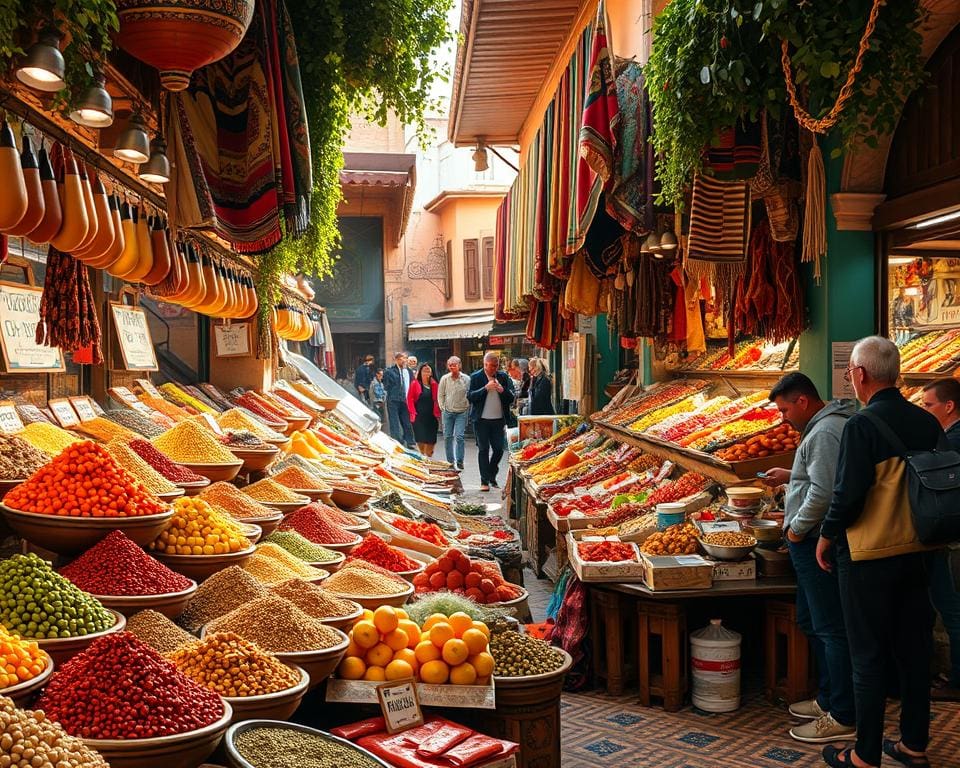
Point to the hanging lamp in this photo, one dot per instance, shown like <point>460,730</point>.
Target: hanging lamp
<point>95,108</point>
<point>133,145</point>
<point>157,168</point>
<point>43,67</point>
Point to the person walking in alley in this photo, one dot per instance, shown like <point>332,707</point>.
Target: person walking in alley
<point>452,399</point>
<point>490,395</point>
<point>869,538</point>
<point>424,411</point>
<point>541,388</point>
<point>363,377</point>
<point>378,397</point>
<point>397,379</point>
<point>819,613</point>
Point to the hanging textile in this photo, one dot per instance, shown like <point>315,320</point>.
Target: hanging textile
<point>735,154</point>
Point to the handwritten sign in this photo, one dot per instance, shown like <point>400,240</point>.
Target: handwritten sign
<point>84,408</point>
<point>232,340</point>
<point>147,386</point>
<point>133,333</point>
<point>10,422</point>
<point>400,705</point>
<point>125,397</point>
<point>19,318</point>
<point>63,412</point>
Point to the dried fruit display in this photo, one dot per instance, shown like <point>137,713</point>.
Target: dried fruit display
<point>781,439</point>
<point>606,552</point>
<point>678,539</point>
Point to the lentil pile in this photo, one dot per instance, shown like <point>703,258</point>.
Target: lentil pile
<point>375,550</point>
<point>240,419</point>
<point>28,739</point>
<point>310,523</point>
<point>49,438</point>
<point>218,595</point>
<point>271,564</point>
<point>175,473</point>
<point>302,548</point>
<point>152,480</point>
<point>277,625</point>
<point>314,600</point>
<point>519,655</point>
<point>39,603</point>
<point>135,422</point>
<point>231,666</point>
<point>283,747</point>
<point>18,458</point>
<point>84,481</point>
<point>298,479</point>
<point>157,631</point>
<point>197,529</point>
<point>120,688</point>
<point>235,502</point>
<point>105,430</point>
<point>242,439</point>
<point>293,460</point>
<point>20,660</point>
<point>160,405</point>
<point>271,491</point>
<point>117,566</point>
<point>189,443</point>
<point>365,579</point>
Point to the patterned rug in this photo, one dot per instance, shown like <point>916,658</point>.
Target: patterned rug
<point>601,730</point>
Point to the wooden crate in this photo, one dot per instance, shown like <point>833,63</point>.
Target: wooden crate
<point>668,572</point>
<point>602,572</point>
<point>565,524</point>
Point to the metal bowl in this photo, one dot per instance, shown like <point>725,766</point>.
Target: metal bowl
<point>236,760</point>
<point>63,649</point>
<point>201,567</point>
<point>183,750</point>
<point>727,553</point>
<point>21,693</point>
<point>170,604</point>
<point>764,531</point>
<point>271,706</point>
<point>72,535</point>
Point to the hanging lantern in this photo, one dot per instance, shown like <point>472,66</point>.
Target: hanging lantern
<point>180,36</point>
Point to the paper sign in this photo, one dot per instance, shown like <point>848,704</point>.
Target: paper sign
<point>147,386</point>
<point>400,705</point>
<point>19,318</point>
<point>84,408</point>
<point>125,397</point>
<point>133,333</point>
<point>840,359</point>
<point>63,412</point>
<point>10,422</point>
<point>232,340</point>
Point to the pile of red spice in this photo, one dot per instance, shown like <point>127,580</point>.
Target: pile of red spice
<point>120,688</point>
<point>605,552</point>
<point>310,523</point>
<point>175,473</point>
<point>117,566</point>
<point>334,515</point>
<point>375,550</point>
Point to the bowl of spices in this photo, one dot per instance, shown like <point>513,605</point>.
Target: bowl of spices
<point>24,668</point>
<point>18,460</point>
<point>199,451</point>
<point>276,496</point>
<point>179,475</point>
<point>348,496</point>
<point>369,584</point>
<point>158,631</point>
<point>268,743</point>
<point>313,524</point>
<point>374,549</point>
<point>256,459</point>
<point>315,601</point>
<point>521,660</point>
<point>302,548</point>
<point>728,545</point>
<point>272,564</point>
<point>240,506</point>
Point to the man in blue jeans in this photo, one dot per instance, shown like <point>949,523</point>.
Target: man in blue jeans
<point>452,399</point>
<point>810,486</point>
<point>490,397</point>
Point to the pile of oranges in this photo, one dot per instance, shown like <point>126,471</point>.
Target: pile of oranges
<point>386,645</point>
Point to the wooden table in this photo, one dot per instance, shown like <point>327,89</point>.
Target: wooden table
<point>541,538</point>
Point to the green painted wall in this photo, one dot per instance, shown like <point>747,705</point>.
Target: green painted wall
<point>608,359</point>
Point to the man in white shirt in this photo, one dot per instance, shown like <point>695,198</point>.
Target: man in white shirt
<point>452,399</point>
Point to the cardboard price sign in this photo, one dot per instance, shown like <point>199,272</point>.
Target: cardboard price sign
<point>133,335</point>
<point>400,705</point>
<point>84,408</point>
<point>19,318</point>
<point>10,422</point>
<point>63,412</point>
<point>147,386</point>
<point>232,340</point>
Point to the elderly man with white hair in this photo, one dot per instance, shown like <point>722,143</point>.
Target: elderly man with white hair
<point>869,537</point>
<point>452,398</point>
<point>490,396</point>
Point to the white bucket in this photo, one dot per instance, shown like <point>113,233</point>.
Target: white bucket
<point>715,663</point>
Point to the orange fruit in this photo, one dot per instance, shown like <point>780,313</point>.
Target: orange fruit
<point>434,672</point>
<point>380,655</point>
<point>455,652</point>
<point>408,656</point>
<point>483,663</point>
<point>385,618</point>
<point>476,641</point>
<point>365,634</point>
<point>433,619</point>
<point>375,674</point>
<point>398,669</point>
<point>440,633</point>
<point>367,615</point>
<point>482,627</point>
<point>460,622</point>
<point>402,614</point>
<point>396,640</point>
<point>412,630</point>
<point>355,650</point>
<point>351,668</point>
<point>426,651</point>
<point>463,674</point>
<point>485,680</point>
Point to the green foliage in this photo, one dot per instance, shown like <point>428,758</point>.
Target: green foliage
<point>715,61</point>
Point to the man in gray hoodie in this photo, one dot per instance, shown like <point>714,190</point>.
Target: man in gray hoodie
<point>819,615</point>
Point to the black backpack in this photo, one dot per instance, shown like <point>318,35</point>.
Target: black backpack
<point>933,486</point>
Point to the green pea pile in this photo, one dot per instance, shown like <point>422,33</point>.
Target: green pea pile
<point>282,747</point>
<point>301,547</point>
<point>517,655</point>
<point>37,602</point>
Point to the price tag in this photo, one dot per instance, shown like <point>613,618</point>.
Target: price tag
<point>63,412</point>
<point>123,396</point>
<point>147,386</point>
<point>212,423</point>
<point>133,334</point>
<point>10,422</point>
<point>84,408</point>
<point>232,340</point>
<point>400,705</point>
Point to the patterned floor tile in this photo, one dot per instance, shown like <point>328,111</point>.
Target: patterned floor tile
<point>625,718</point>
<point>788,756</point>
<point>697,739</point>
<point>604,747</point>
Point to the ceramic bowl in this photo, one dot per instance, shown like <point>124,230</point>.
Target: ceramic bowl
<point>171,495</point>
<point>63,649</point>
<point>72,535</point>
<point>9,485</point>
<point>252,531</point>
<point>397,600</point>
<point>331,566</point>
<point>170,604</point>
<point>343,623</point>
<point>533,681</point>
<point>22,693</point>
<point>270,706</point>
<point>267,524</point>
<point>256,459</point>
<point>343,548</point>
<point>200,567</point>
<point>235,759</point>
<point>299,423</point>
<point>286,506</point>
<point>216,472</point>
<point>194,488</point>
<point>348,499</point>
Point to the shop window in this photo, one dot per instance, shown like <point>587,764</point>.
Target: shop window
<point>488,267</point>
<point>471,264</point>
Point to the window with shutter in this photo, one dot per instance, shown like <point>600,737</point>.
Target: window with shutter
<point>471,269</point>
<point>488,267</point>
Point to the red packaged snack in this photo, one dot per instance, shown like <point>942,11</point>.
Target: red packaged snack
<point>446,737</point>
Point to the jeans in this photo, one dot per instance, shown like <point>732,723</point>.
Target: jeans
<point>946,600</point>
<point>454,425</point>
<point>491,442</point>
<point>820,616</point>
<point>400,428</point>
<point>886,607</point>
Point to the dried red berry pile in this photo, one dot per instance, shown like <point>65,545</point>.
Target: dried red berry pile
<point>480,580</point>
<point>605,552</point>
<point>117,566</point>
<point>375,550</point>
<point>310,523</point>
<point>120,688</point>
<point>175,473</point>
<point>429,532</point>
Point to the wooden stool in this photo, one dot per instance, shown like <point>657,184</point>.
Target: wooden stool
<point>786,678</point>
<point>667,678</point>
<point>606,630</point>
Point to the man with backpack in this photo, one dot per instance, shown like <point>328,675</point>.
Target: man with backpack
<point>869,537</point>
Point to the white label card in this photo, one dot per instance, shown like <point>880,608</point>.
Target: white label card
<point>400,705</point>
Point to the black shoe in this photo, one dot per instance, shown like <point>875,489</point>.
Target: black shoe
<point>891,749</point>
<point>837,758</point>
<point>493,484</point>
<point>460,465</point>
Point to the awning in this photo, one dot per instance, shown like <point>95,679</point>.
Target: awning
<point>465,327</point>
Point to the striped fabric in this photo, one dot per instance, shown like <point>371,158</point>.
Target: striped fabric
<point>719,221</point>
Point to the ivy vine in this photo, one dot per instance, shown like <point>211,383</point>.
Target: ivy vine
<point>716,61</point>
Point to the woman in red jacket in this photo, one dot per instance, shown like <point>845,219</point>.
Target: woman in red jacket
<point>424,409</point>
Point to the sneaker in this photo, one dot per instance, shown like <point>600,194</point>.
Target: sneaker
<point>822,730</point>
<point>807,710</point>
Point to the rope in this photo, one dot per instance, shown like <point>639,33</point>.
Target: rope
<point>824,124</point>
<point>815,212</point>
